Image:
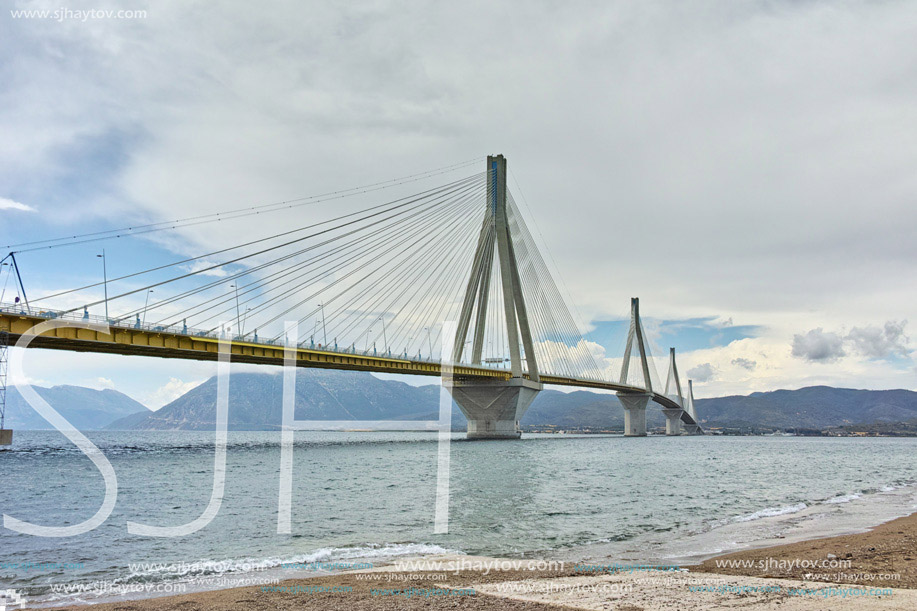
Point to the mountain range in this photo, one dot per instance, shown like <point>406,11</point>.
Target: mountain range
<point>256,400</point>
<point>85,408</point>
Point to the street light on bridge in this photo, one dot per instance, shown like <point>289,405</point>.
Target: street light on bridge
<point>324,328</point>
<point>430,341</point>
<point>238,315</point>
<point>145,305</point>
<point>105,282</point>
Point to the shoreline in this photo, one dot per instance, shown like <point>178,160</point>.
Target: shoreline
<point>854,569</point>
<point>884,555</point>
<point>774,526</point>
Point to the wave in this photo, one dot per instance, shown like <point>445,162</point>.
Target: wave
<point>389,550</point>
<point>771,512</point>
<point>146,571</point>
<point>195,442</point>
<point>845,498</point>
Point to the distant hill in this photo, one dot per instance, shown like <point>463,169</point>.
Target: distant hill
<point>814,407</point>
<point>85,408</point>
<point>581,409</point>
<point>255,404</point>
<point>321,394</point>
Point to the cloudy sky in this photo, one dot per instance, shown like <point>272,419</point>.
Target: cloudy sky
<point>745,168</point>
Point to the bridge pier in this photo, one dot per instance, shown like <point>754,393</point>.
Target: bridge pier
<point>673,421</point>
<point>494,408</point>
<point>634,413</point>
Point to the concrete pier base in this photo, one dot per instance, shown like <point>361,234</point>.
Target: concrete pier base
<point>6,437</point>
<point>494,408</point>
<point>634,413</point>
<point>690,429</point>
<point>673,421</point>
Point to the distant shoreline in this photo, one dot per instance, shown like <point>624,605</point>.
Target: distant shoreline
<point>808,411</point>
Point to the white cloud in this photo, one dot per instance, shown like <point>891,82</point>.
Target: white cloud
<point>777,367</point>
<point>8,204</point>
<point>819,345</point>
<point>701,373</point>
<point>745,363</point>
<point>871,342</point>
<point>169,391</point>
<point>101,384</point>
<point>880,342</point>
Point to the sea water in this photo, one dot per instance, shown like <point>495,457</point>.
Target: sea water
<point>365,498</point>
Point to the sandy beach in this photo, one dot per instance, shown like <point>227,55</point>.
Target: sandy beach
<point>871,570</point>
<point>885,556</point>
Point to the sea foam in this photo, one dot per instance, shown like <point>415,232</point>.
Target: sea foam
<point>771,512</point>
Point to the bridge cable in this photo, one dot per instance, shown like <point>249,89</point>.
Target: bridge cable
<point>273,237</point>
<point>356,246</point>
<point>240,212</point>
<point>289,256</point>
<point>303,301</point>
<point>338,265</point>
<point>316,294</point>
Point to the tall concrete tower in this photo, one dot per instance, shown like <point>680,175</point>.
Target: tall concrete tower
<point>494,408</point>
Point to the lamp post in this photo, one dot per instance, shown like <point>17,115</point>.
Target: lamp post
<point>238,314</point>
<point>324,328</point>
<point>384,334</point>
<point>146,304</point>
<point>104,281</point>
<point>244,318</point>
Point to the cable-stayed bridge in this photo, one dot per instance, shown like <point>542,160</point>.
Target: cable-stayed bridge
<point>448,281</point>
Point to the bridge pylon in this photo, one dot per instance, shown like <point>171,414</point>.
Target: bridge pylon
<point>673,392</point>
<point>495,407</point>
<point>689,428</point>
<point>635,403</point>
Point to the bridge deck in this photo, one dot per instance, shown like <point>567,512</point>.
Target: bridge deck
<point>139,340</point>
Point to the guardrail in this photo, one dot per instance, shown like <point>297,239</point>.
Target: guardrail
<point>139,325</point>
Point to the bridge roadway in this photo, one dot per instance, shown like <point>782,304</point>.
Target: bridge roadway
<point>174,343</point>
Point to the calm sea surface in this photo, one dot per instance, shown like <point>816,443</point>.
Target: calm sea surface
<point>370,497</point>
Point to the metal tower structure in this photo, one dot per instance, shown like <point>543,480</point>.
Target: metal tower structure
<point>635,403</point>
<point>495,407</point>
<point>6,436</point>
<point>635,335</point>
<point>691,428</point>
<point>673,392</point>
